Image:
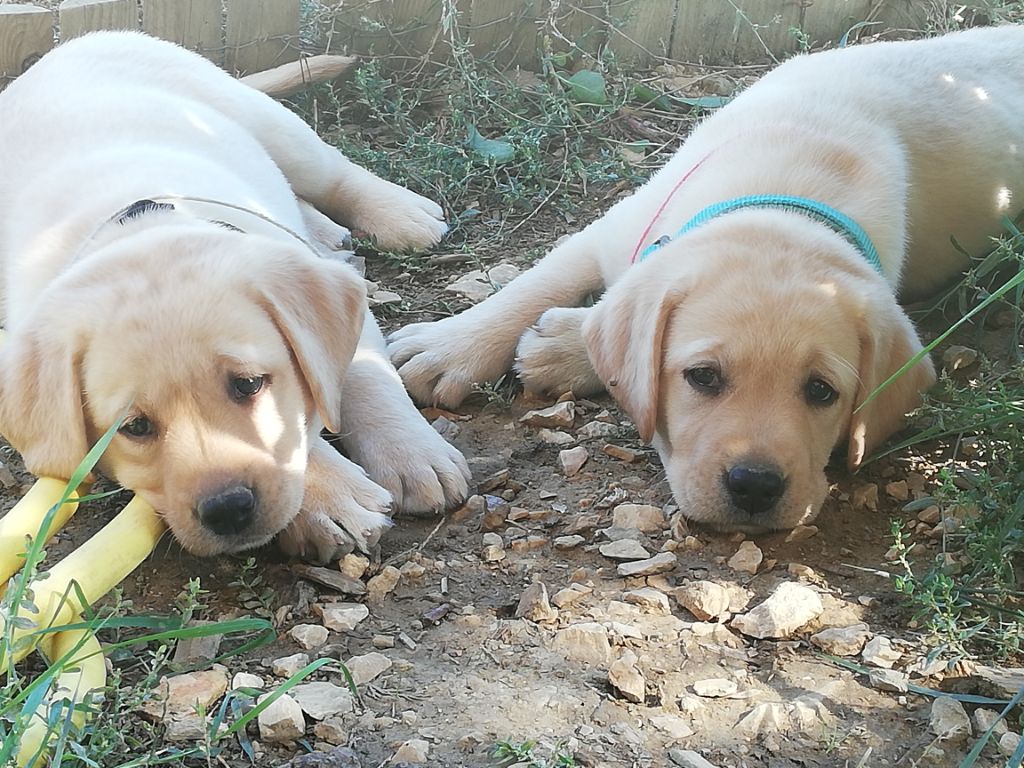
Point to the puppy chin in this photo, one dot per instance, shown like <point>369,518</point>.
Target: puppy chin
<point>202,543</point>
<point>710,510</point>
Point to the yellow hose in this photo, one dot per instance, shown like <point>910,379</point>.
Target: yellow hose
<point>24,520</point>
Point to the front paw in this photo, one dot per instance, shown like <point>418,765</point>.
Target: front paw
<point>401,220</point>
<point>551,358</point>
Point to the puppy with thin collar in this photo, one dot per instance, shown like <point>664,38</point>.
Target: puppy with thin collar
<point>162,269</point>
<point>746,345</point>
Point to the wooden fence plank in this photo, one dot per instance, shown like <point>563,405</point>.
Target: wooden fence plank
<point>641,30</point>
<point>415,26</point>
<point>261,34</point>
<point>195,24</point>
<point>80,16</point>
<point>26,33</point>
<point>509,30</point>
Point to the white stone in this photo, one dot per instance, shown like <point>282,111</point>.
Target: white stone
<point>660,563</point>
<point>534,604</point>
<point>558,415</point>
<point>555,437</point>
<point>572,460</point>
<point>309,636</point>
<point>179,696</point>
<point>287,666</point>
<point>747,559</point>
<point>644,517</point>
<point>1008,743</point>
<point>246,680</point>
<point>342,617</point>
<point>842,641</point>
<point>949,720</point>
<point>674,726</point>
<point>768,718</point>
<point>687,758</point>
<point>790,607</point>
<point>415,751</point>
<point>715,688</point>
<point>568,542</point>
<point>281,722</point>
<point>888,680</point>
<point>368,667</point>
<point>878,652</point>
<point>321,700</point>
<point>650,599</point>
<point>624,549</point>
<point>586,642</point>
<point>704,599</point>
<point>982,719</point>
<point>624,677</point>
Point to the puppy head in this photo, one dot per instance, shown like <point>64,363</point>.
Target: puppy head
<point>742,351</point>
<point>218,353</point>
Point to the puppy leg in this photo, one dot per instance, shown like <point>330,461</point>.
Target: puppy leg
<point>551,357</point>
<point>387,436</point>
<point>441,361</point>
<point>342,509</point>
<point>328,238</point>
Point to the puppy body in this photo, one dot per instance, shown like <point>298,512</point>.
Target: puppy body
<point>210,329</point>
<point>917,142</point>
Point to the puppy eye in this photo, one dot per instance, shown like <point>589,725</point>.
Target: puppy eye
<point>245,387</point>
<point>704,379</point>
<point>137,427</point>
<point>819,392</point>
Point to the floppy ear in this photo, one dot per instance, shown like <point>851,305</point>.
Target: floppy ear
<point>318,306</point>
<point>887,342</point>
<point>41,404</point>
<point>624,335</point>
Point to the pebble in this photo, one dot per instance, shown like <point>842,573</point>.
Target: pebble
<point>888,680</point>
<point>354,566</point>
<point>558,415</point>
<point>660,563</point>
<point>197,651</point>
<point>246,680</point>
<point>1008,743</point>
<point>572,460</point>
<point>368,667</point>
<point>768,718</point>
<point>982,719</point>
<point>534,605</point>
<point>309,636</point>
<point>287,666</point>
<point>687,758</point>
<point>493,553</point>
<point>341,617</point>
<point>570,595</point>
<point>625,678</point>
<point>957,357</point>
<point>383,642</point>
<point>676,727</point>
<point>865,497</point>
<point>332,730</point>
<point>842,641</point>
<point>898,490</point>
<point>650,599</point>
<point>383,584</point>
<point>790,606</point>
<point>322,700</point>
<point>529,543</point>
<point>624,549</point>
<point>598,429</point>
<point>412,571</point>
<point>878,652</point>
<point>802,533</point>
<point>949,720</point>
<point>715,688</point>
<point>704,599</point>
<point>747,559</point>
<point>281,722</point>
<point>930,515</point>
<point>555,437</point>
<point>586,642</point>
<point>179,696</point>
<point>415,751</point>
<point>628,455</point>
<point>568,542</point>
<point>473,286</point>
<point>643,517</point>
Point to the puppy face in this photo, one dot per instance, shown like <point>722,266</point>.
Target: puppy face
<point>217,354</point>
<point>745,365</point>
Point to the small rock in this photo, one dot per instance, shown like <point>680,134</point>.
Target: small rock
<point>568,542</point>
<point>495,518</point>
<point>572,460</point>
<point>333,731</point>
<point>502,274</point>
<point>412,571</point>
<point>660,563</point>
<point>674,726</point>
<point>704,599</point>
<point>287,666</point>
<point>628,455</point>
<point>354,566</point>
<point>383,297</point>
<point>586,642</point>
<point>747,559</point>
<point>956,357</point>
<point>322,700</point>
<point>246,680</point>
<point>715,688</point>
<point>982,719</point>
<point>624,549</point>
<point>281,722</point>
<point>802,533</point>
<point>865,497</point>
<point>898,490</point>
<point>879,652</point>
<point>446,428</point>
<point>192,651</point>
<point>493,553</point>
<point>888,680</point>
<point>650,599</point>
<point>569,595</point>
<point>330,578</point>
<point>179,696</point>
<point>383,642</point>
<point>534,605</point>
<point>625,678</point>
<point>414,751</point>
<point>790,606</point>
<point>1008,743</point>
<point>643,517</point>
<point>687,758</point>
<point>555,437</point>
<point>842,641</point>
<point>558,415</point>
<point>949,720</point>
<point>598,429</point>
<point>930,515</point>
<point>529,543</point>
<point>341,617</point>
<point>473,286</point>
<point>368,667</point>
<point>769,718</point>
<point>383,584</point>
<point>309,636</point>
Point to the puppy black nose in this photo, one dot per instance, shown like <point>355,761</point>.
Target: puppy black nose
<point>755,488</point>
<point>228,512</point>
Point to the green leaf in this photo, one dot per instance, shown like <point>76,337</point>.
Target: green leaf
<point>650,97</point>
<point>587,87</point>
<point>491,150</point>
<point>703,102</point>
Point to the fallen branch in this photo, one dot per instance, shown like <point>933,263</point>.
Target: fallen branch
<point>296,75</point>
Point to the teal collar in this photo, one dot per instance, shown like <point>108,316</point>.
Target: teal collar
<point>839,222</point>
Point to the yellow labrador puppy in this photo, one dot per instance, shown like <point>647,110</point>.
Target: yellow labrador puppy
<point>752,282</point>
<point>156,272</point>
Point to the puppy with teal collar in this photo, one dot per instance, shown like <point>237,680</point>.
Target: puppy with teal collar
<point>752,285</point>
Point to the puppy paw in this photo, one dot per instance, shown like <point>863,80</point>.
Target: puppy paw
<point>400,220</point>
<point>440,362</point>
<point>342,510</point>
<point>551,357</point>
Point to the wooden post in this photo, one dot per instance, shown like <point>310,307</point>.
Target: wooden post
<point>261,34</point>
<point>26,33</point>
<point>641,30</point>
<point>80,16</point>
<point>194,24</point>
